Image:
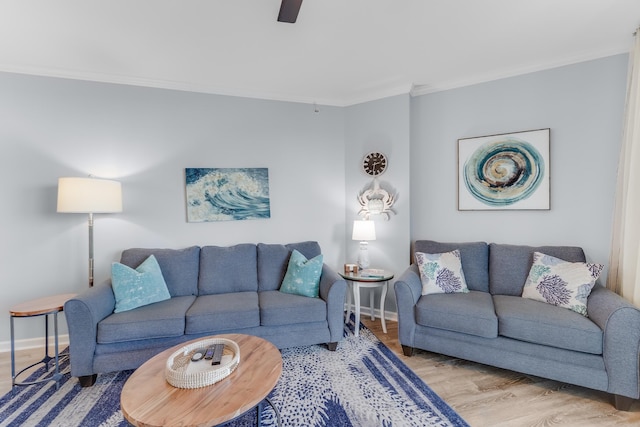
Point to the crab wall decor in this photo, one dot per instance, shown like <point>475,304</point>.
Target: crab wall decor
<point>375,200</point>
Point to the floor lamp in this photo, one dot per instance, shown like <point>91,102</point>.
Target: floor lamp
<point>89,196</point>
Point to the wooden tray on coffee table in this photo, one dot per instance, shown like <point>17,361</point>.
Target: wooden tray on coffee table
<point>147,399</point>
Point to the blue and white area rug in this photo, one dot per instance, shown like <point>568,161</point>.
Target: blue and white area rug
<point>361,384</point>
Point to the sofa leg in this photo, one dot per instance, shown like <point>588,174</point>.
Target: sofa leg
<point>622,403</point>
<point>407,351</point>
<point>87,380</point>
<point>332,346</point>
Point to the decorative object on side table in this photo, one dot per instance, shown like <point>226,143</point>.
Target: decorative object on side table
<point>363,231</point>
<point>368,278</point>
<point>90,196</point>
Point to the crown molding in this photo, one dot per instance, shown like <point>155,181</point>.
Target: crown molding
<point>380,92</point>
<point>425,89</point>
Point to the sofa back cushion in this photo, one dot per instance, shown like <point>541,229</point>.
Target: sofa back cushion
<point>509,265</point>
<point>273,260</point>
<point>179,267</point>
<point>473,255</point>
<point>226,269</point>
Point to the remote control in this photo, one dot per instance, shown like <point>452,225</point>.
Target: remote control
<point>198,355</point>
<point>217,354</point>
<point>209,354</point>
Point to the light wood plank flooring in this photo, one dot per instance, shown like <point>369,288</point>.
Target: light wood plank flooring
<point>491,397</point>
<point>484,396</point>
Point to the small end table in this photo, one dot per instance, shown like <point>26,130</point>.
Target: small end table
<point>39,307</point>
<point>357,281</point>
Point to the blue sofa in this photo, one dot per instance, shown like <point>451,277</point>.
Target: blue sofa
<point>494,325</point>
<point>213,290</point>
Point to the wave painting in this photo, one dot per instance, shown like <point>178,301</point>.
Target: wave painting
<point>227,194</point>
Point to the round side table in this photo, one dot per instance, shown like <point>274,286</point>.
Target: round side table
<point>356,282</point>
<point>39,307</point>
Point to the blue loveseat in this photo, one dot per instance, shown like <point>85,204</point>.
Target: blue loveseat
<point>213,290</point>
<point>494,325</point>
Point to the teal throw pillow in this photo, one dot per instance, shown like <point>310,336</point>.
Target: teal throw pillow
<point>135,288</point>
<point>303,275</point>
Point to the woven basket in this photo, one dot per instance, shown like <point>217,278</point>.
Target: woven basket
<point>177,368</point>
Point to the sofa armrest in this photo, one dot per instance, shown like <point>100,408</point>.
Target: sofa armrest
<point>83,314</point>
<point>620,321</point>
<point>333,289</point>
<point>408,289</point>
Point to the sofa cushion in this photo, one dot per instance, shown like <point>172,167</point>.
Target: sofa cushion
<point>221,312</point>
<point>536,322</point>
<point>179,267</point>
<point>509,265</point>
<point>441,273</point>
<point>278,308</point>
<point>473,255</point>
<point>228,269</point>
<point>302,276</point>
<point>469,313</point>
<point>273,260</point>
<point>162,319</point>
<point>561,283</point>
<point>133,288</point>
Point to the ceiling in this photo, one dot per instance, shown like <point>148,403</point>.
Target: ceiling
<point>339,52</point>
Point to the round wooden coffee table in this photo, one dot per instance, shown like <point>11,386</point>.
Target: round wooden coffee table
<point>147,398</point>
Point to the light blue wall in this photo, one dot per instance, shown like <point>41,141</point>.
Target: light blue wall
<point>145,138</point>
<point>582,104</point>
<point>382,125</point>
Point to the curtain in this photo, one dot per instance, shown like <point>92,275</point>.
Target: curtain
<point>624,262</point>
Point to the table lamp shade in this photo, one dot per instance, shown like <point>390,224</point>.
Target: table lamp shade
<point>89,195</point>
<point>363,230</point>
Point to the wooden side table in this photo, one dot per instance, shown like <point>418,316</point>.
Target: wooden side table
<point>357,281</point>
<point>39,307</point>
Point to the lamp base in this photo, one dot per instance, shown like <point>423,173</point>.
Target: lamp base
<point>363,256</point>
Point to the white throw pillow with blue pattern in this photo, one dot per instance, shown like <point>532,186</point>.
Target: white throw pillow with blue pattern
<point>561,283</point>
<point>441,273</point>
<point>135,288</point>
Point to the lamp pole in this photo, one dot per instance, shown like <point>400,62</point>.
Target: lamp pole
<point>91,249</point>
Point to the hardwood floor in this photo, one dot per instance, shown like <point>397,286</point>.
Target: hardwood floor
<point>23,358</point>
<point>484,396</point>
<point>491,397</point>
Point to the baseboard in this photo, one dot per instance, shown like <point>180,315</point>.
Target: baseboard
<point>26,344</point>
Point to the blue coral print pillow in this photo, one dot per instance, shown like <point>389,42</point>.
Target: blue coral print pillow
<point>441,273</point>
<point>561,283</point>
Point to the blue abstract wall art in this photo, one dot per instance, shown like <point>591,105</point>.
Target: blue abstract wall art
<point>227,194</point>
<point>504,172</point>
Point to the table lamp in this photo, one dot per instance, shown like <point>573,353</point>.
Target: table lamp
<point>89,195</point>
<point>363,231</point>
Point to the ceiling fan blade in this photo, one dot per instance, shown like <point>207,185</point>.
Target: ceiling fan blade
<point>289,11</point>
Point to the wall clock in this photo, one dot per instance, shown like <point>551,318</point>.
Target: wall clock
<point>374,163</point>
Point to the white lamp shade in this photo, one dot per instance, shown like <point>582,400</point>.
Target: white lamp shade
<point>89,195</point>
<point>363,230</point>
